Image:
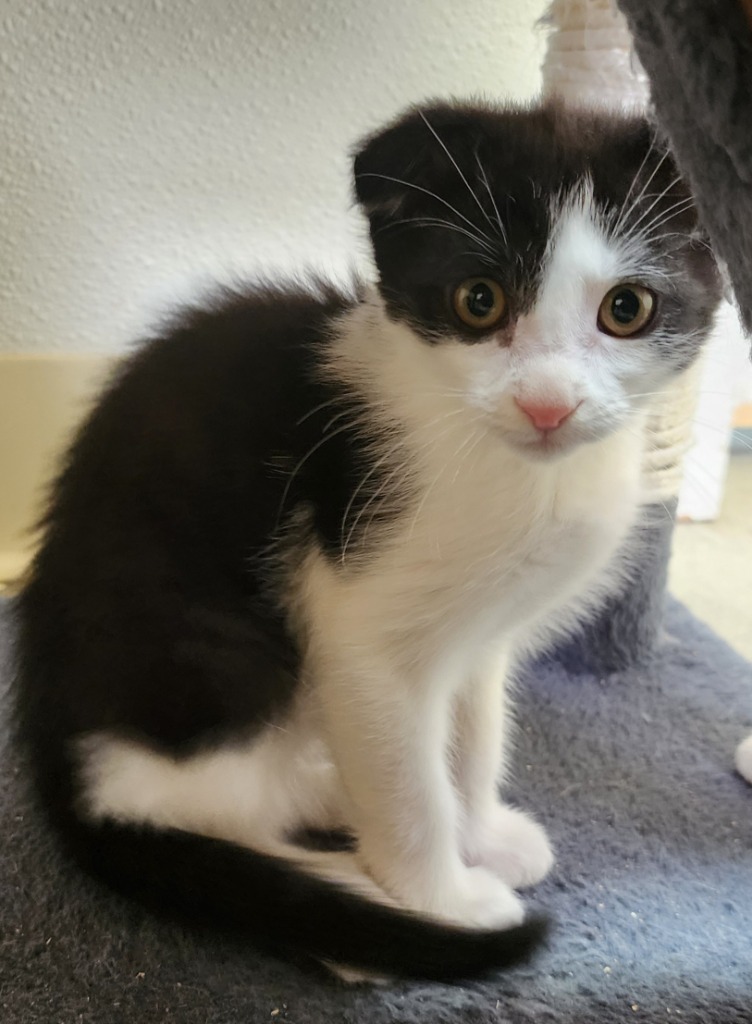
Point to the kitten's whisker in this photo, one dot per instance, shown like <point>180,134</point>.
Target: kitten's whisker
<point>671,516</point>
<point>625,216</point>
<point>708,474</point>
<point>663,213</point>
<point>406,463</point>
<point>737,435</point>
<point>708,487</point>
<point>468,441</point>
<point>345,412</point>
<point>335,400</point>
<point>473,448</point>
<point>484,179</point>
<point>311,451</point>
<point>645,436</point>
<point>649,230</point>
<point>404,468</point>
<point>456,167</point>
<point>433,483</point>
<point>635,179</point>
<point>346,539</point>
<point>427,222</point>
<point>400,442</point>
<point>685,239</point>
<point>706,490</point>
<point>481,257</point>
<point>426,191</point>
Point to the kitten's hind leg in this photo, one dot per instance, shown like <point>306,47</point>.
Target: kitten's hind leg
<point>259,793</point>
<point>501,838</point>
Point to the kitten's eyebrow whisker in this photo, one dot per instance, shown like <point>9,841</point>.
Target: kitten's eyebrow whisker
<point>639,230</point>
<point>686,239</point>
<point>484,179</point>
<point>644,214</point>
<point>634,181</point>
<point>481,257</point>
<point>428,192</point>
<point>427,222</point>
<point>625,216</point>
<point>665,215</point>
<point>456,166</point>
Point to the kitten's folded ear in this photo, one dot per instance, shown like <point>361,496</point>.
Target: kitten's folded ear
<point>410,158</point>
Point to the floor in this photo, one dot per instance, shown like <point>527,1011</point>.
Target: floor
<point>711,566</point>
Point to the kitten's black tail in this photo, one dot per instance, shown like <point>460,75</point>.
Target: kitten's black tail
<point>220,883</point>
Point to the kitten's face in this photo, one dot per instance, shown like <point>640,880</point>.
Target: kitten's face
<point>549,262</point>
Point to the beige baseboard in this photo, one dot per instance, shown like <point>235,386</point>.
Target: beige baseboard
<point>42,398</point>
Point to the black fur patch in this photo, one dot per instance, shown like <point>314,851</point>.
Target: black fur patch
<point>148,610</point>
<point>454,191</point>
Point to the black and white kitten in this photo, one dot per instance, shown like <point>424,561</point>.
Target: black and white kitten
<point>299,546</point>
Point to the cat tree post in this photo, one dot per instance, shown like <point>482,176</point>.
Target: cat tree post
<point>589,60</point>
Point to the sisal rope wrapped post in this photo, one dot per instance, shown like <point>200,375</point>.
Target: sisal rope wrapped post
<point>590,61</point>
<point>589,56</point>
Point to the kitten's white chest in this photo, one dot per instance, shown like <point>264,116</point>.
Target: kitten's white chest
<point>494,546</point>
<point>514,548</point>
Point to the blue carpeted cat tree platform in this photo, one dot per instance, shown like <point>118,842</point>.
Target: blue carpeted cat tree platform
<point>632,773</point>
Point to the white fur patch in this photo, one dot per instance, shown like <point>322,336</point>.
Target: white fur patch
<point>744,759</point>
<point>250,793</point>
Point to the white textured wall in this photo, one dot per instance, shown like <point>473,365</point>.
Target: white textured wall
<point>148,147</point>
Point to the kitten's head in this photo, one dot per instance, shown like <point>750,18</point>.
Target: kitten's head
<point>551,259</point>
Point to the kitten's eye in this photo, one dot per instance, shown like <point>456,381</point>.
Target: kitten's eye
<point>479,302</point>
<point>626,309</point>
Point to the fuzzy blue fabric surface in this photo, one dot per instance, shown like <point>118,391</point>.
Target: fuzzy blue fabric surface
<point>651,894</point>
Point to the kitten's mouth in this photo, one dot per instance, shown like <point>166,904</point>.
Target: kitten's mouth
<point>547,445</point>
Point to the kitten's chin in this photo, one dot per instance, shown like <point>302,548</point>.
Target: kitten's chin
<point>547,447</point>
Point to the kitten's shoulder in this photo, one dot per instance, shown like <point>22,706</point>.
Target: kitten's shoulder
<point>194,415</point>
<point>239,362</point>
<point>261,322</point>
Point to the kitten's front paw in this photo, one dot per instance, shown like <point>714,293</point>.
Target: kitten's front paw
<point>484,901</point>
<point>477,899</point>
<point>467,897</point>
<point>512,845</point>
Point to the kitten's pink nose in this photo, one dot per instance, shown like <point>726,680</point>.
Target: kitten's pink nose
<point>545,415</point>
